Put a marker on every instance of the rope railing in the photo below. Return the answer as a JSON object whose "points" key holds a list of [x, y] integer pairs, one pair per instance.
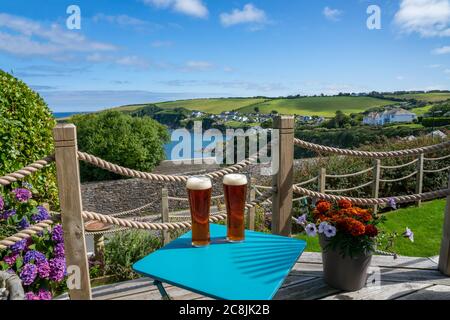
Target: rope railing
{"points": [[437, 170], [437, 159], [374, 201], [401, 165], [399, 179], [133, 211], [26, 171], [367, 154], [352, 188], [186, 199], [26, 233], [308, 181], [350, 174]]}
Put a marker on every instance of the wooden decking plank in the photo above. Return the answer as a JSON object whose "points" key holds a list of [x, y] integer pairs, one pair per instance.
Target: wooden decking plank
{"points": [[385, 291], [414, 275], [308, 290], [436, 292]]}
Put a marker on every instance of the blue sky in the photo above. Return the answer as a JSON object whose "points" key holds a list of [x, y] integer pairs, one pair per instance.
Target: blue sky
{"points": [[133, 51]]}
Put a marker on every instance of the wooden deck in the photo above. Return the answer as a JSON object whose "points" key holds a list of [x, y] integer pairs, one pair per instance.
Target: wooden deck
{"points": [[404, 278]]}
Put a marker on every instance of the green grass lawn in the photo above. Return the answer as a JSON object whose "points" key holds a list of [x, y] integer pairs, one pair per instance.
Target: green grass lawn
{"points": [[320, 106], [428, 97], [214, 106], [426, 223]]}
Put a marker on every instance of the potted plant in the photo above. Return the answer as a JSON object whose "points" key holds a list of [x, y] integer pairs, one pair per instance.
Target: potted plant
{"points": [[348, 236]]}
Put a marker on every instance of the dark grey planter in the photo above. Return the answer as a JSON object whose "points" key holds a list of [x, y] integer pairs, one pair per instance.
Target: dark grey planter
{"points": [[344, 273]]}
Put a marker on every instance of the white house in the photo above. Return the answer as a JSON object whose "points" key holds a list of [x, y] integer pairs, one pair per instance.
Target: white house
{"points": [[396, 115]]}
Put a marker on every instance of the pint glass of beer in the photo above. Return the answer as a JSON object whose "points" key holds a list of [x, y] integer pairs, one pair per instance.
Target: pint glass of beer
{"points": [[235, 190], [199, 194]]}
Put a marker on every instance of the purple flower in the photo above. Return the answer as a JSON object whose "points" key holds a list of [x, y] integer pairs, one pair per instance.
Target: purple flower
{"points": [[31, 296], [57, 269], [2, 203], [18, 246], [22, 194], [27, 185], [28, 274], [34, 256], [392, 203], [322, 226], [58, 234], [44, 294], [409, 234], [43, 269], [301, 220], [23, 224], [311, 230], [11, 259], [329, 231], [41, 215], [58, 250], [8, 213]]}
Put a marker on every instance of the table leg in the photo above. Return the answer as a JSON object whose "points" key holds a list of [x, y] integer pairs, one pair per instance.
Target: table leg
{"points": [[162, 291]]}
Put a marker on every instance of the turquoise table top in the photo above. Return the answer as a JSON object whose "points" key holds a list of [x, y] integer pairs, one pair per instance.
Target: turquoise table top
{"points": [[252, 270]]}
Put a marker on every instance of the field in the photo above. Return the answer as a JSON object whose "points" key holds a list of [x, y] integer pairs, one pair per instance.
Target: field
{"points": [[426, 223], [421, 111], [214, 106], [427, 97], [320, 106]]}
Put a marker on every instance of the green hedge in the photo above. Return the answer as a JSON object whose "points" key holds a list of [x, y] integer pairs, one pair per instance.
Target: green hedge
{"points": [[436, 122], [26, 125]]}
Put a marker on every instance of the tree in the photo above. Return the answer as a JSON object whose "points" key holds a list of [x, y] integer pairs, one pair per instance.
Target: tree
{"points": [[274, 112], [340, 120], [257, 110], [26, 125], [132, 142]]}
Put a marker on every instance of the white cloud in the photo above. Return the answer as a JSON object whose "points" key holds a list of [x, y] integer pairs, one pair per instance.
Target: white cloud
{"points": [[447, 71], [249, 14], [429, 18], [21, 36], [332, 14], [400, 78], [442, 50], [194, 8], [195, 65], [434, 66], [133, 61]]}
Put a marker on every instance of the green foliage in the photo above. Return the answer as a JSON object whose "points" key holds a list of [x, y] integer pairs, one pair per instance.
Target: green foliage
{"points": [[124, 249], [26, 125], [436, 122], [136, 143], [169, 117]]}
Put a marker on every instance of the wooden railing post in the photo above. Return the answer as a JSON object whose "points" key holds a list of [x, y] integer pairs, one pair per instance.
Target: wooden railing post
{"points": [[251, 214], [68, 175], [322, 180], [283, 178], [444, 257], [165, 214], [419, 179], [376, 183]]}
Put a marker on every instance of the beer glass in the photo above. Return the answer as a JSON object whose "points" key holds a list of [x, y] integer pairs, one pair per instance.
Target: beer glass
{"points": [[199, 194], [235, 190]]}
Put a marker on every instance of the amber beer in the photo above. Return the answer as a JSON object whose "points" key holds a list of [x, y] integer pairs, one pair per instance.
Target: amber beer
{"points": [[235, 189], [199, 193]]}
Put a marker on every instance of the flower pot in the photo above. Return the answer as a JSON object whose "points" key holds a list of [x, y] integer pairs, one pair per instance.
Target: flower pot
{"points": [[11, 287], [344, 273]]}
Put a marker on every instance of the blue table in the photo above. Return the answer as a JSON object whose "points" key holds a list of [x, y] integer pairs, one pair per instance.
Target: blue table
{"points": [[251, 270]]}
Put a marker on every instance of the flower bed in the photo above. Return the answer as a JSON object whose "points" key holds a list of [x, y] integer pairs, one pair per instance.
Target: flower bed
{"points": [[39, 261]]}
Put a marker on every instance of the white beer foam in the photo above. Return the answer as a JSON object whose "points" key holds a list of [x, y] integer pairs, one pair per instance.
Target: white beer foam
{"points": [[199, 183], [235, 180]]}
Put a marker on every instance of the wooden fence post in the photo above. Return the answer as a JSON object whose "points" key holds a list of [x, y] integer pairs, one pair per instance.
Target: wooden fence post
{"points": [[419, 179], [322, 180], [251, 214], [165, 214], [376, 183], [68, 175], [283, 179], [444, 257]]}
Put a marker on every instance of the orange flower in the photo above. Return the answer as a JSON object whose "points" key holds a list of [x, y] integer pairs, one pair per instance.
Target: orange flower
{"points": [[323, 206], [352, 226], [344, 204], [363, 214]]}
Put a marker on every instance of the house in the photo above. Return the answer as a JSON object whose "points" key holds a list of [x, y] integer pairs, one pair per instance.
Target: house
{"points": [[395, 115]]}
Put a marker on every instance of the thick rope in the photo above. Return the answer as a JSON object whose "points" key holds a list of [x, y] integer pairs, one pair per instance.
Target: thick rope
{"points": [[28, 170], [437, 159], [132, 211], [399, 179], [350, 174], [438, 170], [352, 188], [367, 154], [373, 201], [25, 234], [400, 166], [307, 181]]}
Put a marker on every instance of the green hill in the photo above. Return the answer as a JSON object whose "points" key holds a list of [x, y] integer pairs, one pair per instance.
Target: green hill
{"points": [[214, 106], [427, 97]]}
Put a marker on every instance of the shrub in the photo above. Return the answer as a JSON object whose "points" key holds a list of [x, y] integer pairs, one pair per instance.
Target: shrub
{"points": [[436, 122], [136, 143], [26, 125], [39, 261], [124, 249]]}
